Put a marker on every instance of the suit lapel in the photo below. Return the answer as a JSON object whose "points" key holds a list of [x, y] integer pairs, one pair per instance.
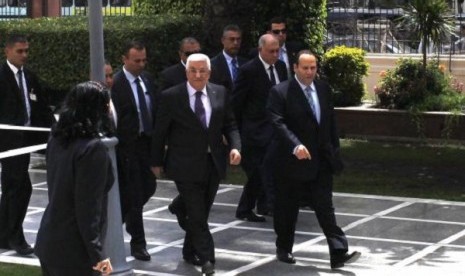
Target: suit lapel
{"points": [[322, 93], [12, 79], [185, 104], [214, 103], [302, 98], [127, 89]]}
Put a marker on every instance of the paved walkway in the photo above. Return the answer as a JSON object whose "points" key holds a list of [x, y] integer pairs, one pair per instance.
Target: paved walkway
{"points": [[397, 236]]}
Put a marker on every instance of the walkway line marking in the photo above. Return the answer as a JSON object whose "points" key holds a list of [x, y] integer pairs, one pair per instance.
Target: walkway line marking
{"points": [[317, 239], [429, 249], [145, 272]]}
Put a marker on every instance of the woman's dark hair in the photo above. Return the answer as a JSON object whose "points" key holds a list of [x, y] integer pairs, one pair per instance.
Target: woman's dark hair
{"points": [[85, 113]]}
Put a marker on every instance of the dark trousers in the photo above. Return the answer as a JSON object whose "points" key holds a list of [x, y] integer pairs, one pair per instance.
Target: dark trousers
{"points": [[48, 270], [254, 193], [16, 192], [137, 184], [288, 194], [198, 198]]}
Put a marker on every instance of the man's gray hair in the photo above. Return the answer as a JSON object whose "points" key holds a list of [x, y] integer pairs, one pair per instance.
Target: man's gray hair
{"points": [[266, 38], [198, 57]]}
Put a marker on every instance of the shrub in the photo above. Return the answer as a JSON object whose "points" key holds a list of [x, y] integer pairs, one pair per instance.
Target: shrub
{"points": [[412, 86], [344, 69], [59, 47], [151, 7]]}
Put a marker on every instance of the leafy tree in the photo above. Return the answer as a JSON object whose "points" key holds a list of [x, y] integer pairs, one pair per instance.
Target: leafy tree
{"points": [[429, 21], [306, 18]]}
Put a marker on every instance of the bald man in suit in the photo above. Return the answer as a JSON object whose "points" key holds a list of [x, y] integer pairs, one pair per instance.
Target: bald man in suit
{"points": [[307, 156]]}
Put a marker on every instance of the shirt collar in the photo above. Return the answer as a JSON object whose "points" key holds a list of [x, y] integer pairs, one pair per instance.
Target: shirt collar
{"points": [[13, 68], [283, 48], [191, 90], [131, 78], [303, 86], [264, 63], [227, 57]]}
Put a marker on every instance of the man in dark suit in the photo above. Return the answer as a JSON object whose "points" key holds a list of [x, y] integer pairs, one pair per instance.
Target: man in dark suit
{"points": [[191, 120], [176, 74], [250, 95], [134, 99], [307, 156], [22, 103], [225, 65], [288, 49]]}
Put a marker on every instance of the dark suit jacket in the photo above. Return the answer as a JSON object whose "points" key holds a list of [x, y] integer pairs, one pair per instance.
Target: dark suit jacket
{"points": [[295, 124], [179, 128], [173, 75], [249, 98], [293, 49], [12, 108], [220, 73], [79, 177], [127, 130]]}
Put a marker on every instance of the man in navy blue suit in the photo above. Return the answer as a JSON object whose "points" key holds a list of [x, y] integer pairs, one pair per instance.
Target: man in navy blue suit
{"points": [[225, 65]]}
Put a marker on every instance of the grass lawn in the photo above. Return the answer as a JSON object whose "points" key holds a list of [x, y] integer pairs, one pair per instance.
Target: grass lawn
{"points": [[379, 168], [19, 270], [396, 169]]}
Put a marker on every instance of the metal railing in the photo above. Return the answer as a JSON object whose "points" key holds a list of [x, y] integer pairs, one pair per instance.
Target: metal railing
{"points": [[373, 26], [11, 9], [110, 7]]}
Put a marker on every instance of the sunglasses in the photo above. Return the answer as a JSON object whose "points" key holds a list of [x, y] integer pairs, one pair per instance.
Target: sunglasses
{"points": [[283, 31], [190, 53]]}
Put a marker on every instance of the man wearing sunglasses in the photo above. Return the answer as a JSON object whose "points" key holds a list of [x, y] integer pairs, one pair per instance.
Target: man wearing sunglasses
{"points": [[288, 49], [176, 74]]}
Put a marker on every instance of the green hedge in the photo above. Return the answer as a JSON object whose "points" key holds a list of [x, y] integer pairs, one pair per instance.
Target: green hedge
{"points": [[344, 68], [59, 47]]}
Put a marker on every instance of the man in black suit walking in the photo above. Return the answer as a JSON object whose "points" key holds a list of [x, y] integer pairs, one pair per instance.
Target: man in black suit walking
{"points": [[225, 65], [250, 95], [307, 156], [191, 120], [176, 74], [22, 103], [134, 99]]}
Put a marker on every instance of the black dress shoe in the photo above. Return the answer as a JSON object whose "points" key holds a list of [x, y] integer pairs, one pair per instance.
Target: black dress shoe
{"points": [[285, 257], [193, 259], [208, 268], [339, 261], [181, 217], [140, 254], [251, 217], [22, 249]]}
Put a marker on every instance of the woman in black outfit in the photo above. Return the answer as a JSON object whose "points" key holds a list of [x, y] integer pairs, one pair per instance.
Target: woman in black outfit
{"points": [[79, 176]]}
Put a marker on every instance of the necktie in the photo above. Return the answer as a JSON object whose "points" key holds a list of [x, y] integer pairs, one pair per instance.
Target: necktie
{"points": [[200, 109], [144, 112], [308, 94], [234, 68], [23, 97], [272, 77]]}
